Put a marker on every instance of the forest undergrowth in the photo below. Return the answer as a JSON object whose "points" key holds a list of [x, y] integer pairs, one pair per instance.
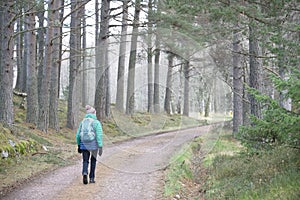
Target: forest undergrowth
{"points": [[217, 166]]}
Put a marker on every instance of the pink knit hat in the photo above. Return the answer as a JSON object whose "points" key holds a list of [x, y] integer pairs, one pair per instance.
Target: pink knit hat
{"points": [[90, 110]]}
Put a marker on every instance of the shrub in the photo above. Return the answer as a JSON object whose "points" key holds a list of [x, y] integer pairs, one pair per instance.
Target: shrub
{"points": [[276, 126]]}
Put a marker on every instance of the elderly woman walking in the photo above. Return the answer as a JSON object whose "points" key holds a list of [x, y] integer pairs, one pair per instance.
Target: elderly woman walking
{"points": [[89, 141]]}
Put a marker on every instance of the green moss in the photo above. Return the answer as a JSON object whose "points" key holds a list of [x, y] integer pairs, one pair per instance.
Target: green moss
{"points": [[8, 148], [39, 139]]}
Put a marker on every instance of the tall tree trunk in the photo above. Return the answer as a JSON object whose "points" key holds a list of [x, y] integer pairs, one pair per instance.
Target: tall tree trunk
{"points": [[20, 55], [79, 54], [107, 84], [73, 102], [150, 56], [6, 61], [97, 35], [237, 83], [32, 103], [23, 71], [84, 92], [130, 99], [121, 64], [61, 16], [207, 103], [186, 100], [22, 74], [181, 78], [156, 92], [96, 24], [43, 119], [215, 97], [168, 97], [53, 100], [101, 61], [156, 76], [254, 69], [245, 97], [41, 45]]}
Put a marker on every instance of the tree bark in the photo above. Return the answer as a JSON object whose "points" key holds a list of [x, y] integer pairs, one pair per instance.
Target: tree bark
{"points": [[96, 24], [149, 57], [84, 90], [101, 63], [23, 71], [156, 92], [55, 63], [186, 100], [130, 99], [6, 61], [32, 103], [181, 78], [41, 48], [73, 97], [107, 84], [23, 63], [206, 108], [238, 87], [20, 83], [254, 70], [168, 96], [61, 16], [156, 76], [121, 64], [43, 119]]}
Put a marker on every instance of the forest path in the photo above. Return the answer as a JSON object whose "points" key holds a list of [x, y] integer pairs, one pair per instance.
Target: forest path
{"points": [[129, 170]]}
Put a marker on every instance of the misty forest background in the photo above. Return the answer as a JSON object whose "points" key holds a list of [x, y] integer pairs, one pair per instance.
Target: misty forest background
{"points": [[150, 66], [179, 57]]}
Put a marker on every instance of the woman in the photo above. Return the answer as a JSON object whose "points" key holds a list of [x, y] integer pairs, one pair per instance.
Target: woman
{"points": [[89, 141]]}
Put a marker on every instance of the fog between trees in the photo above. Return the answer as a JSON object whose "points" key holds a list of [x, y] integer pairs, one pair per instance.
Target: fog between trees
{"points": [[180, 57]]}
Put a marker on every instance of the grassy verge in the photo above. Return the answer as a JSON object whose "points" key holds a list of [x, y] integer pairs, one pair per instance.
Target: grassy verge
{"points": [[220, 168], [180, 181], [268, 175], [188, 172]]}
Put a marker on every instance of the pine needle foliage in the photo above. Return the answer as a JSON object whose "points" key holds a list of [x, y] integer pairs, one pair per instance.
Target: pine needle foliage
{"points": [[277, 126]]}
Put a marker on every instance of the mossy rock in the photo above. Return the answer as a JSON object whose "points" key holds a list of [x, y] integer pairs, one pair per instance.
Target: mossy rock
{"points": [[21, 148], [25, 147], [8, 148]]}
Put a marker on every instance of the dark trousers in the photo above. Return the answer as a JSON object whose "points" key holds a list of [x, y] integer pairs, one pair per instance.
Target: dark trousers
{"points": [[89, 156]]}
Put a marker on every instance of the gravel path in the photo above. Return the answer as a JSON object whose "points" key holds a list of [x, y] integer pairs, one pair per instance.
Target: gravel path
{"points": [[129, 170]]}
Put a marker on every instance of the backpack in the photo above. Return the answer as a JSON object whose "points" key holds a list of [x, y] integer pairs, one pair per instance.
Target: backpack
{"points": [[87, 133]]}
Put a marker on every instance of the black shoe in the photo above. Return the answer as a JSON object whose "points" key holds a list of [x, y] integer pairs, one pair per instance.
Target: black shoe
{"points": [[92, 180], [85, 179]]}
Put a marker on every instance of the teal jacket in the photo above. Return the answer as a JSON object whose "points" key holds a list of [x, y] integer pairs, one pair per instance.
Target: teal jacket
{"points": [[94, 145]]}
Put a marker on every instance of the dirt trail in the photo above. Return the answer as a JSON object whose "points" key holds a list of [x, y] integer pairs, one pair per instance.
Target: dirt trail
{"points": [[130, 170]]}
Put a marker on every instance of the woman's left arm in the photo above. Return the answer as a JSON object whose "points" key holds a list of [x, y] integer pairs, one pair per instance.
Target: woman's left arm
{"points": [[99, 133]]}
